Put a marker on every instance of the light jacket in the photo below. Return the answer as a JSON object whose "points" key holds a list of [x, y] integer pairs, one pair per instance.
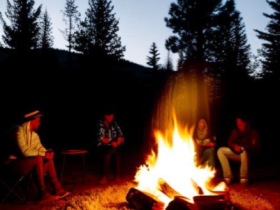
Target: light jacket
{"points": [[23, 142]]}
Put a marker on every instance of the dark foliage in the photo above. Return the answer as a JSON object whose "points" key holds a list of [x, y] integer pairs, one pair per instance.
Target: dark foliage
{"points": [[230, 48], [153, 59], [97, 34], [22, 34], [193, 22], [46, 38], [271, 47], [71, 19]]}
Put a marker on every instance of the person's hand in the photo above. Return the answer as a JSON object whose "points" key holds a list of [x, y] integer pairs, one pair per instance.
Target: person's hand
{"points": [[238, 149], [105, 140], [49, 155], [114, 144], [211, 144], [120, 140]]}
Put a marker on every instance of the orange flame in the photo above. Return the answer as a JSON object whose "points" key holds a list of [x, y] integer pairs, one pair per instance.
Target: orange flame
{"points": [[174, 163]]}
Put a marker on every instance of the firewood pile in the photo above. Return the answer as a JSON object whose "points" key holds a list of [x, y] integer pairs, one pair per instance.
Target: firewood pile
{"points": [[145, 201]]}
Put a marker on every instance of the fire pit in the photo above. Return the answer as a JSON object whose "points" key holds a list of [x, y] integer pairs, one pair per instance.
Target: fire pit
{"points": [[171, 180], [146, 201]]}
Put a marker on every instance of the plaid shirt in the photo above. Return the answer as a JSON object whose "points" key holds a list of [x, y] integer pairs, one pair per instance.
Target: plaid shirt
{"points": [[113, 131]]}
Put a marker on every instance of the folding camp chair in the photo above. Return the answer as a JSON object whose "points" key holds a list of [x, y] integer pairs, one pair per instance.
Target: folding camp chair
{"points": [[13, 184]]}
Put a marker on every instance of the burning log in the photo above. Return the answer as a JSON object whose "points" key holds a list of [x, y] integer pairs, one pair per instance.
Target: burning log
{"points": [[143, 200], [201, 202], [211, 202], [164, 187], [146, 201], [171, 193], [180, 203], [197, 188]]}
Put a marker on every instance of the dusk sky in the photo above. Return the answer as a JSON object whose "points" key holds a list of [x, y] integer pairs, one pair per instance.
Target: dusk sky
{"points": [[141, 23]]}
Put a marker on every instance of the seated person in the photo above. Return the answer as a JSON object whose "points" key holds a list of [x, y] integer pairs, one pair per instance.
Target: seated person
{"points": [[109, 140], [204, 144], [25, 153], [242, 142]]}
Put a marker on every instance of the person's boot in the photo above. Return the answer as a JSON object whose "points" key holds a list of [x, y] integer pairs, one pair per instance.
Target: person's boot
{"points": [[43, 196], [228, 181], [244, 182], [59, 190]]}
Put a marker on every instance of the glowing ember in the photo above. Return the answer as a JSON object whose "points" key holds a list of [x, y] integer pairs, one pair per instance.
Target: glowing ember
{"points": [[175, 164]]}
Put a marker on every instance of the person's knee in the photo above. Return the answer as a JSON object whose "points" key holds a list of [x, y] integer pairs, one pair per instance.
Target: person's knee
{"points": [[219, 151], [209, 152], [39, 160], [211, 157], [222, 151]]}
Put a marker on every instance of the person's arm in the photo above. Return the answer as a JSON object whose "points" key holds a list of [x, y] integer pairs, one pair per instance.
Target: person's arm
{"points": [[23, 146], [232, 142], [118, 129], [49, 154], [101, 138], [120, 136], [253, 142], [37, 145], [208, 141]]}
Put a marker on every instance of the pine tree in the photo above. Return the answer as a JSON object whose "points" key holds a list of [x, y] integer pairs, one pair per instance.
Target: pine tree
{"points": [[180, 62], [193, 21], [169, 62], [46, 38], [256, 64], [231, 48], [97, 34], [23, 32], [271, 47], [154, 58], [71, 19]]}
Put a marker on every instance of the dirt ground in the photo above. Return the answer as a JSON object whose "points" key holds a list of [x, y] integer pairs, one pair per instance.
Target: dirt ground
{"points": [[264, 188]]}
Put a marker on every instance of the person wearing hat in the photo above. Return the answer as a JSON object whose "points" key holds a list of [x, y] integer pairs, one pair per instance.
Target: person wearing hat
{"points": [[26, 153], [110, 138]]}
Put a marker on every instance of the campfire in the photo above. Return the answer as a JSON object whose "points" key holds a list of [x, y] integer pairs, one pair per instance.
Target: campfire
{"points": [[170, 178]]}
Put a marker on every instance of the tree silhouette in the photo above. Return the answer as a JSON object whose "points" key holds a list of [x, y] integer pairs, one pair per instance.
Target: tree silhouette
{"points": [[154, 58], [46, 38], [231, 48], [271, 48], [23, 32], [193, 21], [71, 19], [97, 34], [180, 62], [169, 63]]}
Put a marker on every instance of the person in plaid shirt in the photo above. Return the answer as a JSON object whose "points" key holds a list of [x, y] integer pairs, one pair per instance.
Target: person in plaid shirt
{"points": [[110, 138]]}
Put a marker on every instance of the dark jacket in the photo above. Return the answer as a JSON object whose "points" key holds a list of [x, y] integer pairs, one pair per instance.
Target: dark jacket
{"points": [[249, 139]]}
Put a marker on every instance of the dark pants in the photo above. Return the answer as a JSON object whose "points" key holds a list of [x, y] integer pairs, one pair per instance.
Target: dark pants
{"points": [[106, 155], [39, 165], [205, 155]]}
